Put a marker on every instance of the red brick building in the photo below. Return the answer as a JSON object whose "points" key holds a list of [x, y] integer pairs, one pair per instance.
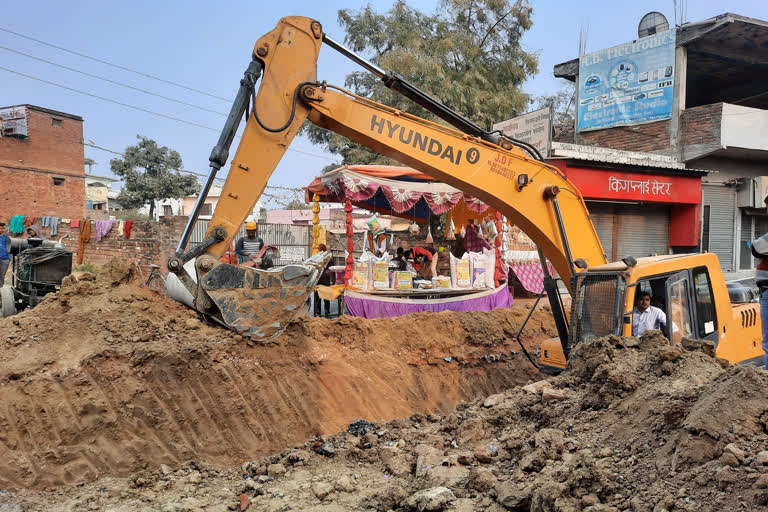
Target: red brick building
{"points": [[42, 167]]}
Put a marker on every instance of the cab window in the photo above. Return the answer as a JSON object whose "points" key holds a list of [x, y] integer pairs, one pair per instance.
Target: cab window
{"points": [[706, 322]]}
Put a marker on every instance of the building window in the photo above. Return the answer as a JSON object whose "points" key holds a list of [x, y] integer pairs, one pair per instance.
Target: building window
{"points": [[56, 122], [57, 182], [167, 211], [207, 209]]}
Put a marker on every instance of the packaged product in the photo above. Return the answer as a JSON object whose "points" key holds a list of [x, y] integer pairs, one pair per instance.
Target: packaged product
{"points": [[461, 271], [403, 280], [381, 273]]}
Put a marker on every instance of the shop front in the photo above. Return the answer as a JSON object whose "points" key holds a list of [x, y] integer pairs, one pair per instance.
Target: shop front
{"points": [[640, 212]]}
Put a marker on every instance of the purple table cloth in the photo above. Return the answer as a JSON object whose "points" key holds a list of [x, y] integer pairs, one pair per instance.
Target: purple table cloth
{"points": [[370, 306]]}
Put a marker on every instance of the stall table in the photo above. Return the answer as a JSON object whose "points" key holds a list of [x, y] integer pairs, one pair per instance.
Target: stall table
{"points": [[391, 302]]}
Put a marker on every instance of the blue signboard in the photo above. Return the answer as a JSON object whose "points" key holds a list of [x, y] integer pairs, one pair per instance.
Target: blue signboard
{"points": [[627, 84]]}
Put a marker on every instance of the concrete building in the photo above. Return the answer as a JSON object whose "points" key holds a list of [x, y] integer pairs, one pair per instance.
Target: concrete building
{"points": [[42, 169], [186, 205], [718, 124], [97, 189]]}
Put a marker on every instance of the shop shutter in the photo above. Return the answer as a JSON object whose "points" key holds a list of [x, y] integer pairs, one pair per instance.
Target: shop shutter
{"points": [[721, 211], [602, 217], [643, 230]]}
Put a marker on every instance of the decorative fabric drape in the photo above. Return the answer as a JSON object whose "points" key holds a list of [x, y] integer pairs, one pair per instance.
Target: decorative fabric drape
{"points": [[402, 195]]}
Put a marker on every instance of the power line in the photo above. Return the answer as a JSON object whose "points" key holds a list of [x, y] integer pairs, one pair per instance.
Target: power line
{"points": [[115, 65], [113, 81], [141, 109], [186, 171]]}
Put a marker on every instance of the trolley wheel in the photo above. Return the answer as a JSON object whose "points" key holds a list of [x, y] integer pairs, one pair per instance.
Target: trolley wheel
{"points": [[7, 302]]}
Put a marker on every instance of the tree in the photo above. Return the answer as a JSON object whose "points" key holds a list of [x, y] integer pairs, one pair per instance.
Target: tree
{"points": [[295, 204], [151, 173], [467, 55], [563, 104]]}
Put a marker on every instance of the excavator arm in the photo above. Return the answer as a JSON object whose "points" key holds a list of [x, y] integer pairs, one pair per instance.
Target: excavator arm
{"points": [[533, 195]]}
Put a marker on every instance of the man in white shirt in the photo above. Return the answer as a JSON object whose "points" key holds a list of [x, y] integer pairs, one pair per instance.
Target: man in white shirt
{"points": [[645, 316]]}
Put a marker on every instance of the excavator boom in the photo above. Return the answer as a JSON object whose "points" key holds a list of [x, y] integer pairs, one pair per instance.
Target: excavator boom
{"points": [[535, 196]]}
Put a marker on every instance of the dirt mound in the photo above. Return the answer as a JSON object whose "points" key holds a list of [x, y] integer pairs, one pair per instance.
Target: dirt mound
{"points": [[106, 378], [634, 424]]}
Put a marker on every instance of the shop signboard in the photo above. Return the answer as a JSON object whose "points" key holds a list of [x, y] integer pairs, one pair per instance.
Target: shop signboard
{"points": [[534, 128], [625, 186], [628, 84]]}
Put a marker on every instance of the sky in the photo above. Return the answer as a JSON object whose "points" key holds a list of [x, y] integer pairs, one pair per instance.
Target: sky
{"points": [[207, 48]]}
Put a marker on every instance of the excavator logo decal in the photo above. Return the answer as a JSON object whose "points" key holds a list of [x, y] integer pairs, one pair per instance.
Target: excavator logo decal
{"points": [[412, 137]]}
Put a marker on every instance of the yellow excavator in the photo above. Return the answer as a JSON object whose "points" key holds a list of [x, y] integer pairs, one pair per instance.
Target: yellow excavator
{"points": [[508, 174]]}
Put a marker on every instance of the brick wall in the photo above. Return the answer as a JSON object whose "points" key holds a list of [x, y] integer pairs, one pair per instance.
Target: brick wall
{"points": [[700, 129], [648, 137], [150, 243], [28, 167]]}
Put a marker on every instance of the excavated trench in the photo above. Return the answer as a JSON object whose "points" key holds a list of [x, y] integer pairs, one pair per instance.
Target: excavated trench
{"points": [[106, 378]]}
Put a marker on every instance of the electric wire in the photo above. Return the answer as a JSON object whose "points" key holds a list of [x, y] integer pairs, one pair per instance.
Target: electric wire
{"points": [[115, 65], [112, 81], [141, 109]]}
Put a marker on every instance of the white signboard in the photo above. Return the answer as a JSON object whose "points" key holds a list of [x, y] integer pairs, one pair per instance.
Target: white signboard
{"points": [[535, 128]]}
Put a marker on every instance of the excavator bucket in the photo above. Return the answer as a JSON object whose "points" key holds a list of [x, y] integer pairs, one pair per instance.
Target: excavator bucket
{"points": [[262, 303]]}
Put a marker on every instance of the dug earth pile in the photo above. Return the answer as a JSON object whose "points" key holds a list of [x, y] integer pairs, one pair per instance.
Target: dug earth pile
{"points": [[633, 425], [106, 378]]}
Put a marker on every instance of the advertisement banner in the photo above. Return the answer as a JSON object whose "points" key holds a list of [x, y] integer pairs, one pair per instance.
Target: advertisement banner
{"points": [[534, 128], [631, 83]]}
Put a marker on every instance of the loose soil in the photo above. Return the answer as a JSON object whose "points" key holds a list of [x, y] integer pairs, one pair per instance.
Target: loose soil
{"points": [[632, 425], [106, 378]]}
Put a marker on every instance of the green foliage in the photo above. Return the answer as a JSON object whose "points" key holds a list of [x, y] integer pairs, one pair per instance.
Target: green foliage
{"points": [[150, 173], [85, 267], [467, 55], [130, 214], [296, 204]]}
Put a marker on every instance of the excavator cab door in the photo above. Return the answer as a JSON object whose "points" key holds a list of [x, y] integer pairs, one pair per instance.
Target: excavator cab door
{"points": [[679, 311]]}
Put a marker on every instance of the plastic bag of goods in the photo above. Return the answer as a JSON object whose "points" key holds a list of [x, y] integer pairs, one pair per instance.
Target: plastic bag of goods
{"points": [[361, 275], [483, 268], [461, 271], [429, 238], [403, 280], [441, 282], [490, 228], [374, 225], [381, 273]]}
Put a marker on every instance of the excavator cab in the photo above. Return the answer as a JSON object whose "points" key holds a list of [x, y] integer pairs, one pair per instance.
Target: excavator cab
{"points": [[688, 288]]}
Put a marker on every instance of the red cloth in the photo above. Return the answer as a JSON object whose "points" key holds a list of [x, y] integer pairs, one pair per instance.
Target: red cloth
{"points": [[763, 265], [28, 221], [128, 225], [473, 242], [74, 223], [421, 251]]}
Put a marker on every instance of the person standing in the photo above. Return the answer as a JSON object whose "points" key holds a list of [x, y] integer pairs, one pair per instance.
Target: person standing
{"points": [[473, 242], [759, 249], [5, 258], [248, 246]]}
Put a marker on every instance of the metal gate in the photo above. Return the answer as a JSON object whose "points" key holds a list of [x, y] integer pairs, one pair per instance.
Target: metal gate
{"points": [[721, 201], [294, 242], [643, 230]]}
